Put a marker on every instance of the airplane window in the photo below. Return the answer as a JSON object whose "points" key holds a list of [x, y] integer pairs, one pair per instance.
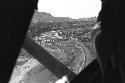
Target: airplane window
{"points": [[65, 31]]}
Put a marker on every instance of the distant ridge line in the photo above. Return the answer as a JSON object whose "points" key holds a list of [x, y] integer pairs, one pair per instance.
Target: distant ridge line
{"points": [[47, 17]]}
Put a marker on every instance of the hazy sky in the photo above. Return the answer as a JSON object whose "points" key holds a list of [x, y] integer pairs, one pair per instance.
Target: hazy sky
{"points": [[70, 8]]}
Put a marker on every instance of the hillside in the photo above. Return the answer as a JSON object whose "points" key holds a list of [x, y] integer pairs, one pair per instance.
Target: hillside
{"points": [[46, 17]]}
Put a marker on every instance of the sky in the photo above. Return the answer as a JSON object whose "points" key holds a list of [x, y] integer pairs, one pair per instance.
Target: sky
{"points": [[70, 8]]}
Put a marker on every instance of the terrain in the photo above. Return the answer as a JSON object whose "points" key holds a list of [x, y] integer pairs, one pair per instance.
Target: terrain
{"points": [[69, 40]]}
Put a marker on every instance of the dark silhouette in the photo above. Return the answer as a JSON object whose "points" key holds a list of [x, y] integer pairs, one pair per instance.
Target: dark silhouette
{"points": [[15, 17], [110, 43]]}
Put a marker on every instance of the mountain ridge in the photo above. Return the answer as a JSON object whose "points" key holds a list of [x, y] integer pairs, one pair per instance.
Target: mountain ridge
{"points": [[47, 17]]}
